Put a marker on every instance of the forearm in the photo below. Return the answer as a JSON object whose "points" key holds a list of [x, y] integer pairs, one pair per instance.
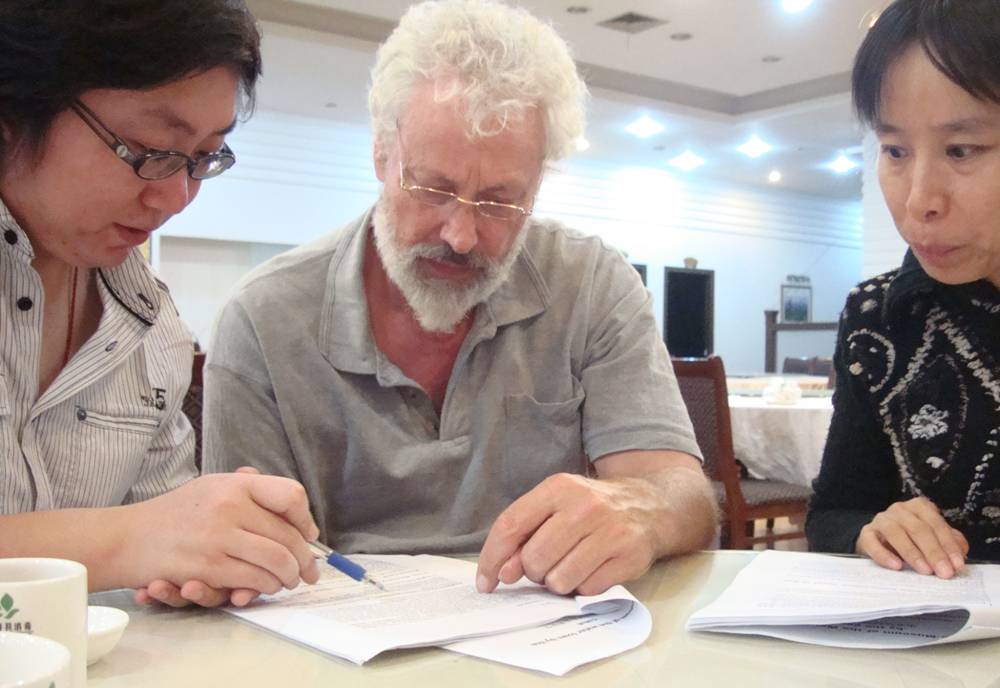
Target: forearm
{"points": [[673, 493], [835, 530], [97, 538]]}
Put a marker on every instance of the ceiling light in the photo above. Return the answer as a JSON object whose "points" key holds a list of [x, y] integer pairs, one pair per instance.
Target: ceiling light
{"points": [[754, 147], [842, 164], [774, 177], [793, 6], [644, 127], [687, 161], [582, 144]]}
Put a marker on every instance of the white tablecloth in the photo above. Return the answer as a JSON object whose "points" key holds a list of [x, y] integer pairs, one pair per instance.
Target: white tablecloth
{"points": [[780, 442]]}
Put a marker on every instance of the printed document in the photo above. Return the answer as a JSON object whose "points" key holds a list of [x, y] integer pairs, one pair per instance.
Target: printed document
{"points": [[430, 600], [853, 602]]}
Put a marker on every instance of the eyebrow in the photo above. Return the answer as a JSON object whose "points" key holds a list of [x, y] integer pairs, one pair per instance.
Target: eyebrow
{"points": [[174, 121], [958, 126]]}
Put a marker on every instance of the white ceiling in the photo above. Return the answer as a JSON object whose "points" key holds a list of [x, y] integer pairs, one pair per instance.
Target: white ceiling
{"points": [[711, 92]]}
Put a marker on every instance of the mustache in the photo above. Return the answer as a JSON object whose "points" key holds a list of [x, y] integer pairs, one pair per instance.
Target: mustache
{"points": [[444, 253]]}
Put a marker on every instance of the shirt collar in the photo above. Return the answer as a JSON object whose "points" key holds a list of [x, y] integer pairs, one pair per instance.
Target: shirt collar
{"points": [[911, 280], [131, 284], [344, 328]]}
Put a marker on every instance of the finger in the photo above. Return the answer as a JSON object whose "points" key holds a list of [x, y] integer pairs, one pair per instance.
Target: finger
{"points": [[871, 546], [250, 470], [963, 549], [550, 544], [512, 571], [166, 593], [277, 529], [241, 597], [611, 572], [932, 535], [897, 537], [287, 498], [509, 532], [141, 596], [201, 594], [262, 554]]}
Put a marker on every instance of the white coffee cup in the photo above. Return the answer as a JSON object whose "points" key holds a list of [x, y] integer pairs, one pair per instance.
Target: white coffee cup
{"points": [[31, 661], [47, 598]]}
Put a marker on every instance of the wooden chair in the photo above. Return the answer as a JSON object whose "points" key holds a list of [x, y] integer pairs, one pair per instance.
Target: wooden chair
{"points": [[799, 366], [192, 404], [743, 501]]}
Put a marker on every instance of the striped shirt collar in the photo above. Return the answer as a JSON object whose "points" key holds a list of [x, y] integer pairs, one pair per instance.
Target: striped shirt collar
{"points": [[131, 284]]}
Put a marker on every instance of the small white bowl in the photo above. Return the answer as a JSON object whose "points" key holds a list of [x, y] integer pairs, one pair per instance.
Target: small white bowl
{"points": [[105, 626], [31, 661]]}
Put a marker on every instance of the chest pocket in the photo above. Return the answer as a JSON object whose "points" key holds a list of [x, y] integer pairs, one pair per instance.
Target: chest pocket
{"points": [[541, 438]]}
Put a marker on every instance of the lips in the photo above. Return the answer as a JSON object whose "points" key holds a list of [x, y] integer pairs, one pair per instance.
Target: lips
{"points": [[444, 269], [132, 236], [935, 254]]}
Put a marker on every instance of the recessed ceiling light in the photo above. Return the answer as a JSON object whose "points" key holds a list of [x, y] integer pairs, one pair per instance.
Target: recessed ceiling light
{"points": [[842, 164], [687, 161], [582, 144], [577, 9], [644, 127], [793, 6], [331, 104], [771, 59], [680, 36], [774, 177], [754, 147]]}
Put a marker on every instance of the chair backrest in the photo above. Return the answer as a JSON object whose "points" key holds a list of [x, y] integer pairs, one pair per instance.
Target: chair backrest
{"points": [[192, 405], [702, 382], [796, 365], [819, 365]]}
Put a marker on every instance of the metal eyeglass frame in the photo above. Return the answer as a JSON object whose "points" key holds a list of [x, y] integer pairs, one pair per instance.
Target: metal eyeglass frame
{"points": [[213, 164], [446, 197]]}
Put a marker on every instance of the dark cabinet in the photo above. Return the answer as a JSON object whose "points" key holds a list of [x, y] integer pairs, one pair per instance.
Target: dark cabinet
{"points": [[688, 311]]}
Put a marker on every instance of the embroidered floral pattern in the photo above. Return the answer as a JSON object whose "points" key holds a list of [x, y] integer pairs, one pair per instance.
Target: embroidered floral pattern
{"points": [[927, 423]]}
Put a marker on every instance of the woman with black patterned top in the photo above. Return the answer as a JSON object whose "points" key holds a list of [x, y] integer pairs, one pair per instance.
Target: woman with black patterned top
{"points": [[910, 474]]}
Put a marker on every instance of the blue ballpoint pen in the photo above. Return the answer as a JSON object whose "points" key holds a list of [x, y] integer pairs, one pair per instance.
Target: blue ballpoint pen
{"points": [[345, 565]]}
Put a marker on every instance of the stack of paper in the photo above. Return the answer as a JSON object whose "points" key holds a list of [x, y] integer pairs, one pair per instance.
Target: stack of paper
{"points": [[432, 601], [852, 602]]}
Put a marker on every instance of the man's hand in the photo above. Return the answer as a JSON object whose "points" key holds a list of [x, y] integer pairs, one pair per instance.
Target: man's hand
{"points": [[915, 532], [572, 533], [222, 537]]}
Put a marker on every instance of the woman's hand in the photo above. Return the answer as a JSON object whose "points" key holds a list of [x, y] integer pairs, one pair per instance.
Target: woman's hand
{"points": [[916, 533]]}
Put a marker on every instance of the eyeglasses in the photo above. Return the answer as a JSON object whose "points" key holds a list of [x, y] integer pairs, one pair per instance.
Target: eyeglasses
{"points": [[153, 164], [432, 196]]}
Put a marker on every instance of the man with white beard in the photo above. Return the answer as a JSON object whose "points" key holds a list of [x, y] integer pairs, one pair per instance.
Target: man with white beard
{"points": [[446, 373]]}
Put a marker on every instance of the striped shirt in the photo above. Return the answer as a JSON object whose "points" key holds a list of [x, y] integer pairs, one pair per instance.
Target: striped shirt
{"points": [[109, 429]]}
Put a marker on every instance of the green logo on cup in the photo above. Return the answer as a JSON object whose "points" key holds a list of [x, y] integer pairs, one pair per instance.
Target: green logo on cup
{"points": [[7, 606]]}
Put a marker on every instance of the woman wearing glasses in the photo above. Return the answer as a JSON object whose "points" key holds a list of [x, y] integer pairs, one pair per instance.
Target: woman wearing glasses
{"points": [[111, 116]]}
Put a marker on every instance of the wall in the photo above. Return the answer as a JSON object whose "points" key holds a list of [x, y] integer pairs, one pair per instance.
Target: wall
{"points": [[298, 177], [883, 248]]}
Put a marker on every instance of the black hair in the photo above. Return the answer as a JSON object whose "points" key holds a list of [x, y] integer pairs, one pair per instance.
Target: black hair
{"points": [[960, 37], [51, 51]]}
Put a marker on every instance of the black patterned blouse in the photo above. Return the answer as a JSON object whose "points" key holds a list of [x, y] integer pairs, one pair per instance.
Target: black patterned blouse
{"points": [[916, 409]]}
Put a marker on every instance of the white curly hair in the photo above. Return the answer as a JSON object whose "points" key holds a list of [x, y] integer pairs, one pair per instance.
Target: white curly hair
{"points": [[499, 60]]}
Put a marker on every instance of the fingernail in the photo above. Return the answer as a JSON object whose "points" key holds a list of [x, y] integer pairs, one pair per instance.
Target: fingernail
{"points": [[482, 583], [958, 562], [943, 569], [922, 567]]}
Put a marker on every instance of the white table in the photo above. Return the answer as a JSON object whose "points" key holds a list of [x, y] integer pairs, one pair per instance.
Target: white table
{"points": [[166, 647], [778, 441]]}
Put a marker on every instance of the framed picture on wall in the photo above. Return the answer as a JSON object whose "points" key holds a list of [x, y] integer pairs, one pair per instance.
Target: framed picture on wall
{"points": [[796, 303], [641, 269]]}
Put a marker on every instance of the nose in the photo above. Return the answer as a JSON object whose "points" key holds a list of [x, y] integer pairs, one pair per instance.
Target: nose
{"points": [[170, 195], [460, 229], [927, 199]]}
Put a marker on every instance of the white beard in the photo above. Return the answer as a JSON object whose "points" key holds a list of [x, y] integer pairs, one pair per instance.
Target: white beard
{"points": [[439, 305]]}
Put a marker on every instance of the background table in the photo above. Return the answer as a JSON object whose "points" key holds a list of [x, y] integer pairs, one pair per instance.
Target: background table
{"points": [[778, 441], [167, 647]]}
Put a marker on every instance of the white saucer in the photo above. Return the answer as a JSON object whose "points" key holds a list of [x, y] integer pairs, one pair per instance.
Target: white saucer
{"points": [[105, 626]]}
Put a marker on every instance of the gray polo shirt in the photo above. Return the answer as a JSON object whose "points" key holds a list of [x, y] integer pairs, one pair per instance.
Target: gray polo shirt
{"points": [[563, 364]]}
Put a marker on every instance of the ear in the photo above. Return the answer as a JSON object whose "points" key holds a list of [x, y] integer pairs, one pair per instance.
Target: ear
{"points": [[380, 157]]}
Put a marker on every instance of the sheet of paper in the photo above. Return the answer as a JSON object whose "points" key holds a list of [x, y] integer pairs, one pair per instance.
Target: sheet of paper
{"points": [[852, 602], [428, 601], [560, 646]]}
